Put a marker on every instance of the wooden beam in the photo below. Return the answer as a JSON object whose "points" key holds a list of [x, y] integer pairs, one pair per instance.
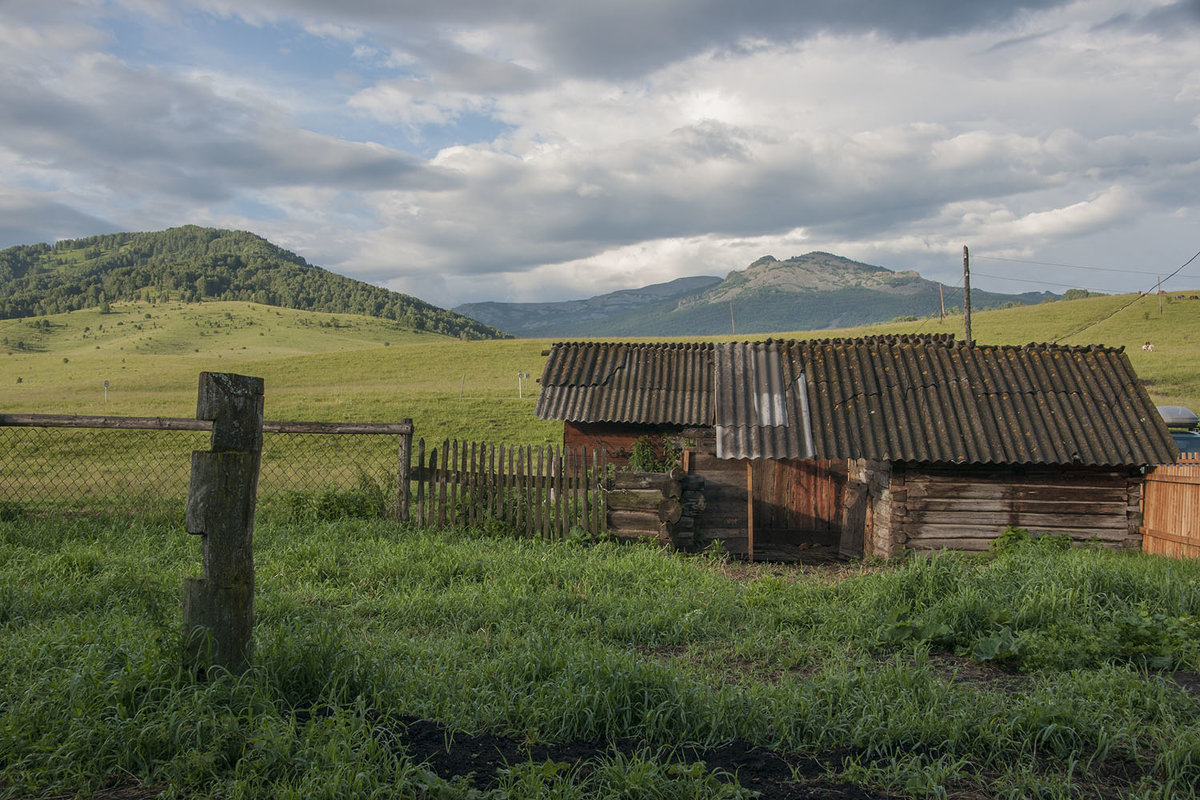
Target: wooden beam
{"points": [[750, 511], [1169, 537]]}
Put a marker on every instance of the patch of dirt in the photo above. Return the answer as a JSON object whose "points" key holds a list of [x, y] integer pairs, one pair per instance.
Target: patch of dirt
{"points": [[819, 566], [482, 756], [1188, 681], [968, 670]]}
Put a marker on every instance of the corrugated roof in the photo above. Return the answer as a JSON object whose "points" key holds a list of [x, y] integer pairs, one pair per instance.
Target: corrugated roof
{"points": [[759, 408], [922, 399], [619, 382]]}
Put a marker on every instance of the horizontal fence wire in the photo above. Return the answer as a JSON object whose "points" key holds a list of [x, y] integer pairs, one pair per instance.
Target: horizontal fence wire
{"points": [[82, 470]]}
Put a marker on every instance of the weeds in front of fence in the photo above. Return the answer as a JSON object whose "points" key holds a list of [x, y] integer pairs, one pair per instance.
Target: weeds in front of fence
{"points": [[549, 641], [368, 498]]}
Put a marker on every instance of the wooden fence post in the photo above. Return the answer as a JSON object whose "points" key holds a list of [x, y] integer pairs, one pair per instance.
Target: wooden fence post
{"points": [[404, 475], [218, 609]]}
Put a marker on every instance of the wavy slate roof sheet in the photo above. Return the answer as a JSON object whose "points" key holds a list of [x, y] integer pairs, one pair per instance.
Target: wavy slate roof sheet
{"points": [[923, 399], [619, 382]]}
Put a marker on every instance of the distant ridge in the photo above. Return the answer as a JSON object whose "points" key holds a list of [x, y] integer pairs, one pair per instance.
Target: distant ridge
{"points": [[564, 318], [193, 264], [814, 291]]}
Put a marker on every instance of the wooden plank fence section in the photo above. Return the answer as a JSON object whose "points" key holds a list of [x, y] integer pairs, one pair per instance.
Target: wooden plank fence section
{"points": [[543, 490], [1171, 509]]}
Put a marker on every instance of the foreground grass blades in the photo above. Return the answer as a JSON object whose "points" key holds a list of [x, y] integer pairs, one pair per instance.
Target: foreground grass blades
{"points": [[1030, 673]]}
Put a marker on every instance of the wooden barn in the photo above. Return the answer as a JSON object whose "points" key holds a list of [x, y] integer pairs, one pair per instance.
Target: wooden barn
{"points": [[877, 445]]}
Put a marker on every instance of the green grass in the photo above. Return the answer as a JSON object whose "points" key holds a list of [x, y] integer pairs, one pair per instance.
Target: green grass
{"points": [[886, 671], [365, 369], [362, 369]]}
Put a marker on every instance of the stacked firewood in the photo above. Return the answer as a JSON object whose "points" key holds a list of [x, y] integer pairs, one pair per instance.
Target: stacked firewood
{"points": [[656, 505]]}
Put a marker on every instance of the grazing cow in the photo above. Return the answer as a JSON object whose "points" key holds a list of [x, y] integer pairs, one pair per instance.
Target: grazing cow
{"points": [[1147, 346]]}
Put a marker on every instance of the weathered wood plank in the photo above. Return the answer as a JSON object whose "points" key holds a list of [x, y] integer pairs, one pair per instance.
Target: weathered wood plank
{"points": [[1023, 520], [988, 491], [989, 533], [633, 520], [666, 485], [960, 505]]}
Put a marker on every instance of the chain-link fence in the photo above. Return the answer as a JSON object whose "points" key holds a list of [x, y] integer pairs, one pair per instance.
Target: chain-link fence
{"points": [[122, 466]]}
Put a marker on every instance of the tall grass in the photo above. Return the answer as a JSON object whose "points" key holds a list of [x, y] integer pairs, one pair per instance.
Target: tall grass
{"points": [[886, 672]]}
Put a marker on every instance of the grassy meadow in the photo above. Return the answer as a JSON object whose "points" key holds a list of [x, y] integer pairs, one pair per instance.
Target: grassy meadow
{"points": [[316, 367], [607, 671], [1035, 672], [328, 367]]}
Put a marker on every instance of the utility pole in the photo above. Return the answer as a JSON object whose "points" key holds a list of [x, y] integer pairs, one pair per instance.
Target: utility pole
{"points": [[732, 327], [942, 300], [967, 290], [1159, 293]]}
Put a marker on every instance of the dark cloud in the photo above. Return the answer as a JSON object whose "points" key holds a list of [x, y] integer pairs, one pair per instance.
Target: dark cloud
{"points": [[624, 38], [145, 130], [31, 219], [1174, 19]]}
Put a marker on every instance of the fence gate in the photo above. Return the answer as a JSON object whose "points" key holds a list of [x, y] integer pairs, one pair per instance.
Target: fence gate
{"points": [[1171, 509]]}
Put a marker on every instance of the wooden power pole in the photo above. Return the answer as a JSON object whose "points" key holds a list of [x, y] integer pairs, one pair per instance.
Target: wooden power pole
{"points": [[967, 291], [218, 609]]}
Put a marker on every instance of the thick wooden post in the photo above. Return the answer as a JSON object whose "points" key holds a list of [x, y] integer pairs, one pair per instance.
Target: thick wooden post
{"points": [[404, 475], [218, 609]]}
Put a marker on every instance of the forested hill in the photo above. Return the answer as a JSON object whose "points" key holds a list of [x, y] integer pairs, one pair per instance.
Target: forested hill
{"points": [[192, 264]]}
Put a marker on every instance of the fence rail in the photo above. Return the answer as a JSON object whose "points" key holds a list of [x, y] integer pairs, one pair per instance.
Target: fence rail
{"points": [[1171, 509]]}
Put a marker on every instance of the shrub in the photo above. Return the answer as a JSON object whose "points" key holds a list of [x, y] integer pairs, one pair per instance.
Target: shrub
{"points": [[653, 454]]}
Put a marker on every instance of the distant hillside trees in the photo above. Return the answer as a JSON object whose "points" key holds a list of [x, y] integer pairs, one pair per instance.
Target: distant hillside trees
{"points": [[192, 264]]}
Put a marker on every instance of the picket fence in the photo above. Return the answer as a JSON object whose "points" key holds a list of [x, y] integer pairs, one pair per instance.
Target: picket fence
{"points": [[542, 490]]}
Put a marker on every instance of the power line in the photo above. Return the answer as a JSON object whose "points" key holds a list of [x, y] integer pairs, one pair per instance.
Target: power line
{"points": [[1049, 283], [1127, 305], [1068, 266]]}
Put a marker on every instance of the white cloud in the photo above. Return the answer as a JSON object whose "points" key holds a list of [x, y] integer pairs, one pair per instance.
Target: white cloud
{"points": [[554, 149]]}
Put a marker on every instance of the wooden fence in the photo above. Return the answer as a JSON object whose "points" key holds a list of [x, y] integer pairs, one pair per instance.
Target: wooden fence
{"points": [[545, 491], [1171, 509]]}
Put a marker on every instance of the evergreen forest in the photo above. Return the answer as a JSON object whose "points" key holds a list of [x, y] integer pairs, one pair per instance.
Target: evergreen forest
{"points": [[192, 264]]}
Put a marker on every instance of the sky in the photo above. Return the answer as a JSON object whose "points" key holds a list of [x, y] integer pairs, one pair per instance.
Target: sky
{"points": [[535, 150]]}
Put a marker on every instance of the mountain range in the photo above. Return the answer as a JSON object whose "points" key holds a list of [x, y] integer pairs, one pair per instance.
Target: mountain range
{"points": [[814, 291], [192, 264]]}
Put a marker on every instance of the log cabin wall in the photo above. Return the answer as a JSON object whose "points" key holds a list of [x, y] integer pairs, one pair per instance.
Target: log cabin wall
{"points": [[725, 512], [965, 508], [878, 537]]}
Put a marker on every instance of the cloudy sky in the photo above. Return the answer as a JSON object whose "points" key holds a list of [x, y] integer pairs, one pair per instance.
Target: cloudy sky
{"points": [[464, 150]]}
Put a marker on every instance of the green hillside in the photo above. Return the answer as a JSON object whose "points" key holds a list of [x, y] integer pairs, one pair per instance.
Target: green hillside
{"points": [[342, 367], [192, 264], [316, 366]]}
